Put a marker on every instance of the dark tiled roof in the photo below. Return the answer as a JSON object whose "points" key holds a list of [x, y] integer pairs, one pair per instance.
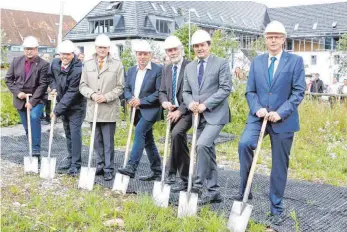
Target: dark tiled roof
{"points": [[245, 16], [18, 24], [306, 16]]}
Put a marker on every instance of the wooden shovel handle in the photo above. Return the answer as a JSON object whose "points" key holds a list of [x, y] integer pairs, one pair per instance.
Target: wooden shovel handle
{"points": [[192, 151], [133, 112]]}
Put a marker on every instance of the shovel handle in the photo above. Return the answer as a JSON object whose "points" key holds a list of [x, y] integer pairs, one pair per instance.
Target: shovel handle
{"points": [[192, 151], [167, 135], [254, 162], [91, 146], [133, 112], [29, 126], [52, 127]]}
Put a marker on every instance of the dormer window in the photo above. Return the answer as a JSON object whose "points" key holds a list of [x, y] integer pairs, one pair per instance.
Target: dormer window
{"points": [[113, 6]]}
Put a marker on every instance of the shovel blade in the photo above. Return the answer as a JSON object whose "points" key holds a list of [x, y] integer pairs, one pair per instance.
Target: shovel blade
{"points": [[161, 194], [187, 204], [31, 164], [121, 183], [239, 216], [47, 170], [87, 177]]}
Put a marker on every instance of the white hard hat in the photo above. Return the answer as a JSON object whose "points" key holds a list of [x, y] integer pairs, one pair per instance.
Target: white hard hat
{"points": [[142, 46], [102, 41], [30, 42], [200, 36], [172, 42], [275, 27], [66, 47]]}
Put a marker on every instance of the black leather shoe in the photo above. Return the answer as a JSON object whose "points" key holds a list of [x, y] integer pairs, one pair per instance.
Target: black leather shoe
{"points": [[170, 179], [197, 191], [240, 197], [99, 171], [180, 187], [129, 170], [217, 198], [73, 171], [150, 177], [277, 219], [108, 176]]}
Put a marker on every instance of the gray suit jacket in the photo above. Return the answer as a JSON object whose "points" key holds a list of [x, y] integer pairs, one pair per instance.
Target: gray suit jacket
{"points": [[213, 92]]}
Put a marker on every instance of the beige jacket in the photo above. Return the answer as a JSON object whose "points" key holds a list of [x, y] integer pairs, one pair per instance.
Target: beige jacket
{"points": [[108, 81]]}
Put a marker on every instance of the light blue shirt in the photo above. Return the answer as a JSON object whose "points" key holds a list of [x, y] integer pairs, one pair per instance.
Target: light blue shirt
{"points": [[198, 66]]}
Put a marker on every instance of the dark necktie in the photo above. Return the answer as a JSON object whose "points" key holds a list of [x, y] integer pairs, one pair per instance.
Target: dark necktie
{"points": [[201, 72], [174, 80], [271, 69]]}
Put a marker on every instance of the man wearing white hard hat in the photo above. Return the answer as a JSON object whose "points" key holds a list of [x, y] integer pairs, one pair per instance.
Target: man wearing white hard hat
{"points": [[207, 85], [28, 75], [102, 83], [142, 92], [65, 73], [275, 88], [171, 99]]}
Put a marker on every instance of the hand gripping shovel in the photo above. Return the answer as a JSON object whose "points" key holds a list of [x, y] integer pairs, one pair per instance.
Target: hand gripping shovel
{"points": [[87, 175], [47, 163], [161, 191], [121, 181], [241, 211], [31, 164], [188, 201]]}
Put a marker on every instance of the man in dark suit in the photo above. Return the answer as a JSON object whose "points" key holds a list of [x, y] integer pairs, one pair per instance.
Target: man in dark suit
{"points": [[142, 92], [28, 75], [207, 85], [275, 88], [171, 99]]}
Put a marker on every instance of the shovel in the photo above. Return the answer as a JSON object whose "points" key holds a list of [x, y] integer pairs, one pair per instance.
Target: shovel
{"points": [[87, 175], [47, 163], [161, 191], [241, 211], [31, 164], [121, 181], [188, 201]]}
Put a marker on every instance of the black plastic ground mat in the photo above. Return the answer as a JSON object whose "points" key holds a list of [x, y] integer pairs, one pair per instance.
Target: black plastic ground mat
{"points": [[317, 207], [222, 138]]}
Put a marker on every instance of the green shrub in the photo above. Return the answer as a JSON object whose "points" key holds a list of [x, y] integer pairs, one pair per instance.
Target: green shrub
{"points": [[8, 114]]}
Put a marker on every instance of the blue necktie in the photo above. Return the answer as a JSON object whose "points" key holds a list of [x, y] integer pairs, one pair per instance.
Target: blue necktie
{"points": [[271, 69], [201, 71], [174, 80]]}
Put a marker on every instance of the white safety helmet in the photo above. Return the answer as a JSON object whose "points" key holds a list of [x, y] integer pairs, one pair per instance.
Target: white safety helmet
{"points": [[30, 42], [275, 27], [102, 41], [66, 46], [142, 46], [172, 42], [200, 36]]}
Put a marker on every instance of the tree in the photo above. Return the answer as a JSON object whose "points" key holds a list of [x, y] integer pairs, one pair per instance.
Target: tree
{"points": [[342, 48], [128, 59], [4, 62], [258, 46], [183, 34]]}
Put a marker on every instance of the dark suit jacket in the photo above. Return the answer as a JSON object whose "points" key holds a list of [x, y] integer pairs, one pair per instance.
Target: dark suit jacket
{"points": [[36, 83], [283, 96], [149, 94], [67, 83], [165, 92]]}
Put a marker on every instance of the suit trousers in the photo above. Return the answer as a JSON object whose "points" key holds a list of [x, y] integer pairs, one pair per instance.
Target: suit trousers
{"points": [[72, 123], [206, 167], [144, 140], [35, 115], [104, 145], [280, 148], [179, 159]]}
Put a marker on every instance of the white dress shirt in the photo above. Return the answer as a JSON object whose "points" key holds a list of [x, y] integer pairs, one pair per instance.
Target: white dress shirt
{"points": [[179, 65], [198, 66], [140, 75], [277, 61]]}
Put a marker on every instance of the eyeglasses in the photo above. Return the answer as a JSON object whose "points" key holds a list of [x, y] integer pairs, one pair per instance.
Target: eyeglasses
{"points": [[274, 37]]}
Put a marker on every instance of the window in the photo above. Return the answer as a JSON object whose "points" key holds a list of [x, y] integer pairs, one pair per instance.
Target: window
{"points": [[314, 26], [209, 15], [163, 26], [120, 49], [336, 59], [334, 24], [162, 7], [232, 19], [289, 45], [101, 26], [313, 60], [221, 17], [52, 40], [296, 27], [113, 6], [174, 9], [81, 49], [16, 48], [154, 6], [50, 50]]}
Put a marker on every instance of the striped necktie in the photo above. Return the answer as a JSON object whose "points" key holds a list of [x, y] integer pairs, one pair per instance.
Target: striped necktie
{"points": [[271, 69], [174, 80]]}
